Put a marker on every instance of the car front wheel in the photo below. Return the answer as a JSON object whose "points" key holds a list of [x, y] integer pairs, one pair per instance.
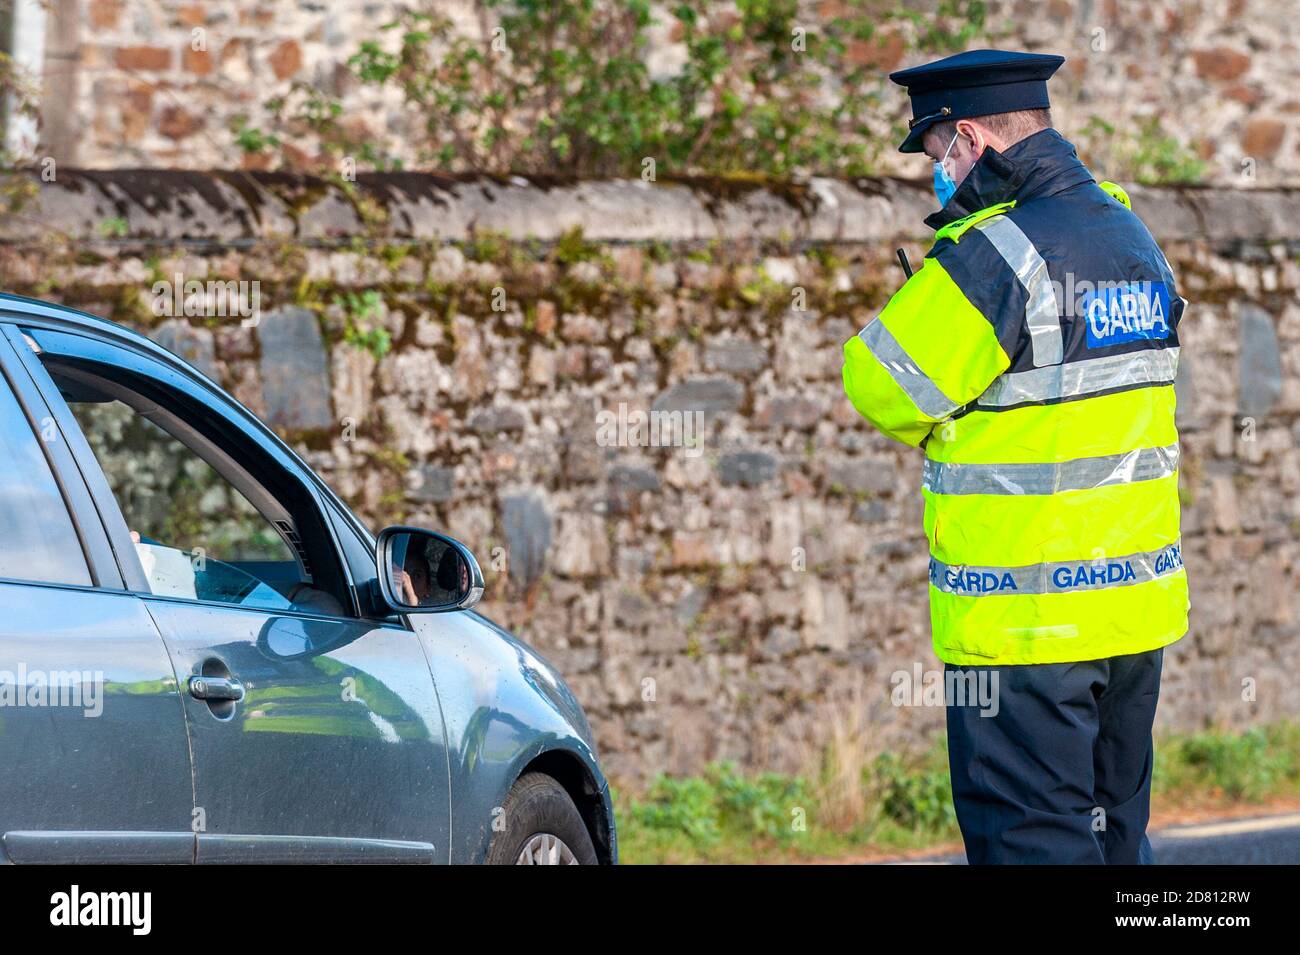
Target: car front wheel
{"points": [[541, 827]]}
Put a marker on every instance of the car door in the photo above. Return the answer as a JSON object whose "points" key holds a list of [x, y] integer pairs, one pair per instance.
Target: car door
{"points": [[315, 730], [92, 733]]}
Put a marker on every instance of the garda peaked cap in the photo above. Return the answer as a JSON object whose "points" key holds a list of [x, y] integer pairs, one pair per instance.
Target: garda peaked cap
{"points": [[974, 83]]}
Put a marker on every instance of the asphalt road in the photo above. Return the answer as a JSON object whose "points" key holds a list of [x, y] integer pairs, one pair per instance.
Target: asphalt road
{"points": [[1267, 840]]}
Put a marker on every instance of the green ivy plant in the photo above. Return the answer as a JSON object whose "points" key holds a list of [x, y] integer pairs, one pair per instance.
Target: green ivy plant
{"points": [[1145, 153], [567, 88], [362, 328], [17, 97]]}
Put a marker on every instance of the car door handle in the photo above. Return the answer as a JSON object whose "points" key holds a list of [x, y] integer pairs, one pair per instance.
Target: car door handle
{"points": [[216, 688]]}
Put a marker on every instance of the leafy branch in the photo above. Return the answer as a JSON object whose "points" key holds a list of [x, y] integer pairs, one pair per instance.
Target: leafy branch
{"points": [[572, 88]]}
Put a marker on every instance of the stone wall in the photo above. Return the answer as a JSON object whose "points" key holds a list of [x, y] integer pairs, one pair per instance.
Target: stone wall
{"points": [[748, 597], [125, 85]]}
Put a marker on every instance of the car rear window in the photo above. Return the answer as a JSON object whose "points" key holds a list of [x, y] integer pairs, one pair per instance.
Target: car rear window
{"points": [[39, 542]]}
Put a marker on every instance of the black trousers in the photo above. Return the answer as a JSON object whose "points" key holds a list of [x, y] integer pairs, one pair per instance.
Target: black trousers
{"points": [[1059, 771]]}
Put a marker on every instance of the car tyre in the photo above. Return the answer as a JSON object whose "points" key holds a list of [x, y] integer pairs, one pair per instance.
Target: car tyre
{"points": [[542, 827]]}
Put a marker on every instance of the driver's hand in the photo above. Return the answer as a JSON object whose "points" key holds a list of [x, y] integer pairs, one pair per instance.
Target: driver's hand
{"points": [[405, 589]]}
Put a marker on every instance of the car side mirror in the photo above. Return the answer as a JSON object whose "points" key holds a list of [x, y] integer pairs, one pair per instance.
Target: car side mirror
{"points": [[424, 572]]}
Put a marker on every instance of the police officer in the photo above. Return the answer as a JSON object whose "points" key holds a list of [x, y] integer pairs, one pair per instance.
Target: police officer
{"points": [[1032, 357]]}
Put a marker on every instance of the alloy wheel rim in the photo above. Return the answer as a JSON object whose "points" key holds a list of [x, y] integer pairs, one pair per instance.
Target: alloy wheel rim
{"points": [[544, 848]]}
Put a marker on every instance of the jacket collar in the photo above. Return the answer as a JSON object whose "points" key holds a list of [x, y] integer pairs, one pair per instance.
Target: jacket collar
{"points": [[1039, 165]]}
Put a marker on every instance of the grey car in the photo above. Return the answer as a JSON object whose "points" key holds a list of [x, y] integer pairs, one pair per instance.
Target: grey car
{"points": [[206, 657]]}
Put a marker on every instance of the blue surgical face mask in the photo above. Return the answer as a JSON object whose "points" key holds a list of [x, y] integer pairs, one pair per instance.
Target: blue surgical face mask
{"points": [[944, 187]]}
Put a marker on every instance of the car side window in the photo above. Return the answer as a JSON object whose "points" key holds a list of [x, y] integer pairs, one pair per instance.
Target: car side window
{"points": [[198, 536], [39, 542]]}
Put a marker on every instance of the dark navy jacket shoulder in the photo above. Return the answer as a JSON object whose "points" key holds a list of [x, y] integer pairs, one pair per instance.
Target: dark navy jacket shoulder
{"points": [[1113, 289]]}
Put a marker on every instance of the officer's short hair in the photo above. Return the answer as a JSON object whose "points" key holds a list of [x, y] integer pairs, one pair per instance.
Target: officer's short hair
{"points": [[1012, 127]]}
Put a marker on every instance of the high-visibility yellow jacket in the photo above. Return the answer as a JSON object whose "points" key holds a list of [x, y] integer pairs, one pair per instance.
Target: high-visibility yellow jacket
{"points": [[1033, 357]]}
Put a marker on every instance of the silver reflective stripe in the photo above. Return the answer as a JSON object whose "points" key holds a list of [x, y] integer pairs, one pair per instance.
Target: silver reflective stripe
{"points": [[925, 394], [1041, 314], [1078, 378], [1058, 577], [1144, 464]]}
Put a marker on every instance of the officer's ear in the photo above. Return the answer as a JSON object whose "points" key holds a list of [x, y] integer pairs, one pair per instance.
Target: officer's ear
{"points": [[974, 136]]}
